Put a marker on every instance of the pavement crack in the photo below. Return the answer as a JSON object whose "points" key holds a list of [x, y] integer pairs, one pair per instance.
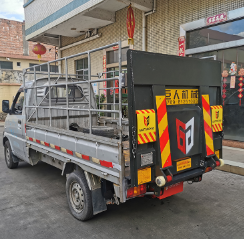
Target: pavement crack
{"points": [[6, 208]]}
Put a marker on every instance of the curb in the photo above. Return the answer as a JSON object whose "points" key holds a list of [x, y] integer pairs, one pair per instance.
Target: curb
{"points": [[233, 144], [232, 167]]}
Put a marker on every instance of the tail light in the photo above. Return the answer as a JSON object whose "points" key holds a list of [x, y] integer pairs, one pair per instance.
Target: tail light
{"points": [[208, 169], [169, 178], [136, 191]]}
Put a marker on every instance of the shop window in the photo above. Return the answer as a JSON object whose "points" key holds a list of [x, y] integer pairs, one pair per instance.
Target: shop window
{"points": [[82, 68], [233, 105], [6, 65], [225, 32], [113, 56]]}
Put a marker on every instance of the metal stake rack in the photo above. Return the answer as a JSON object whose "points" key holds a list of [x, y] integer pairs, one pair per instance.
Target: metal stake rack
{"points": [[32, 70]]}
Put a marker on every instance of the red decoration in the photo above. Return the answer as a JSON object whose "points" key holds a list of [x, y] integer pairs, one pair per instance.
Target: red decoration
{"points": [[181, 41], [224, 75], [241, 73], [39, 50], [217, 18], [130, 22]]}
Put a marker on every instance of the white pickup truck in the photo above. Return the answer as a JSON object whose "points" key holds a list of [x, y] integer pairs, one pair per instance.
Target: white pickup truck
{"points": [[109, 156]]}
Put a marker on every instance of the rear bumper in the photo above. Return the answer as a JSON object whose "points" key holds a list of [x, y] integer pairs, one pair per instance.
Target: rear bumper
{"points": [[186, 176]]}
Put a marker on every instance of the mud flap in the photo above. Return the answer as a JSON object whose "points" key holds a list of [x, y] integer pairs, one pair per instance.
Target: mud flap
{"points": [[98, 201]]}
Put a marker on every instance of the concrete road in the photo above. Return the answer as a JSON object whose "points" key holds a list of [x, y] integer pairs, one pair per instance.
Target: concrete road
{"points": [[33, 205]]}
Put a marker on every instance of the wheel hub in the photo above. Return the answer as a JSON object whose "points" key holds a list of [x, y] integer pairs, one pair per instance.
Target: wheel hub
{"points": [[8, 155], [76, 197]]}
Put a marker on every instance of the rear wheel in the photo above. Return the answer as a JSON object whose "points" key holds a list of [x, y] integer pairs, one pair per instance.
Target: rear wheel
{"points": [[79, 196], [9, 156]]}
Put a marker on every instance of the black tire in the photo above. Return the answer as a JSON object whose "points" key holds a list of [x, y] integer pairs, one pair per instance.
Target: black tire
{"points": [[101, 131], [79, 196], [9, 156]]}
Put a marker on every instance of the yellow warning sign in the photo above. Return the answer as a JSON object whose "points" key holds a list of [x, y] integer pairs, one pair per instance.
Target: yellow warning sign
{"points": [[217, 118], [146, 126], [144, 175], [181, 96], [217, 153]]}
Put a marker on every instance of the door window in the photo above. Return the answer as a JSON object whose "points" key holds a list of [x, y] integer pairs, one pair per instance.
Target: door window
{"points": [[18, 103]]}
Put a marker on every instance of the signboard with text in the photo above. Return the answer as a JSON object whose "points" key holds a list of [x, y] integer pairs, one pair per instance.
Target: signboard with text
{"points": [[181, 50], [222, 17]]}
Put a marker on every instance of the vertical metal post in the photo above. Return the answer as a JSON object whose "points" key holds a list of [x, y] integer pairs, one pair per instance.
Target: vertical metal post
{"points": [[49, 90], [36, 108], [89, 87], [24, 71], [120, 87], [114, 94], [121, 156], [99, 98], [67, 94]]}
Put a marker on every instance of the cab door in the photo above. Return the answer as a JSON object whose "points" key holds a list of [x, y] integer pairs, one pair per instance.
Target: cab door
{"points": [[15, 126]]}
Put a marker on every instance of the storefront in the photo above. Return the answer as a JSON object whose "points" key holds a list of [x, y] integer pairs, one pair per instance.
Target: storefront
{"points": [[221, 37]]}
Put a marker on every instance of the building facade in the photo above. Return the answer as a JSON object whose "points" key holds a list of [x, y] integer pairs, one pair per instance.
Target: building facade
{"points": [[211, 29], [15, 55]]}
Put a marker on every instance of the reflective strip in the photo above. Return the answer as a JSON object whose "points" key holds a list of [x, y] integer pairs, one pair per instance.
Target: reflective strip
{"points": [[45, 144], [79, 155], [145, 111], [207, 125], [67, 151], [95, 160], [106, 164], [82, 156], [55, 147], [85, 157], [146, 138], [163, 131]]}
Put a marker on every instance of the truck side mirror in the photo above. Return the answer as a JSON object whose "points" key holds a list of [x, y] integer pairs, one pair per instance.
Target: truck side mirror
{"points": [[5, 106]]}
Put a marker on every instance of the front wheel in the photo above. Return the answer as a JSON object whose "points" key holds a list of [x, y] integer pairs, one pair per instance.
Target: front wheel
{"points": [[79, 196], [9, 156]]}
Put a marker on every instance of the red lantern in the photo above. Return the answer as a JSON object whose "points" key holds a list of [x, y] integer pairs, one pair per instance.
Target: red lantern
{"points": [[39, 50], [130, 22]]}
